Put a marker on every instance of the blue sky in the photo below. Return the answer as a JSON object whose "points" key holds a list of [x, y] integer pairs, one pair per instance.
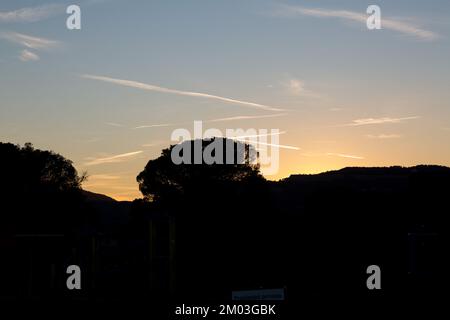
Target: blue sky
{"points": [[354, 96]]}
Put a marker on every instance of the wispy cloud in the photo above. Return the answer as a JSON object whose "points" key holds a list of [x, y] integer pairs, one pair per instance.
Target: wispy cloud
{"points": [[349, 156], [113, 124], [155, 125], [104, 177], [296, 87], [371, 121], [259, 135], [28, 41], [150, 87], [112, 159], [119, 125], [88, 140], [154, 144], [235, 118], [384, 136], [245, 139], [31, 14], [246, 117], [26, 55], [281, 146], [392, 24]]}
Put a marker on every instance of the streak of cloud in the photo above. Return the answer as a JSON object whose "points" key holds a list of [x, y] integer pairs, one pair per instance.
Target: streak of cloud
{"points": [[257, 143], [150, 87], [103, 177], [235, 118], [156, 125], [113, 124], [261, 135], [344, 155], [31, 14], [246, 117], [154, 144], [384, 136], [391, 24], [27, 55], [245, 139], [28, 41], [113, 159], [371, 121]]}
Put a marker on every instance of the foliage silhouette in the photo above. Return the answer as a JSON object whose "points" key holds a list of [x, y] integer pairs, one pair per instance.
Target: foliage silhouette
{"points": [[164, 181], [40, 190]]}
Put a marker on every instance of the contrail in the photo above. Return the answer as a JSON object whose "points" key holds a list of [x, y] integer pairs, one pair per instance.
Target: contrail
{"points": [[113, 159], [247, 117], [391, 24], [344, 155], [369, 121], [150, 87]]}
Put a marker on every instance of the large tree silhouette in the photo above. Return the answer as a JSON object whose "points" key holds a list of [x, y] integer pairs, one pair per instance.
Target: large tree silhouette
{"points": [[40, 190], [162, 180], [27, 169]]}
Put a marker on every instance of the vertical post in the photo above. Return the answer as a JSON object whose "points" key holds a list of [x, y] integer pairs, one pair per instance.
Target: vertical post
{"points": [[30, 278], [172, 255], [151, 253], [94, 263]]}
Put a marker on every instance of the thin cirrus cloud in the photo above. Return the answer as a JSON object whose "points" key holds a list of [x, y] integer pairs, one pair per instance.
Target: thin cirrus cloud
{"points": [[155, 144], [26, 55], [246, 117], [40, 13], [261, 135], [114, 124], [391, 24], [30, 42], [296, 87], [161, 125], [104, 177], [280, 146], [342, 155], [112, 159], [384, 136], [235, 118], [374, 121], [245, 139], [31, 14], [149, 87]]}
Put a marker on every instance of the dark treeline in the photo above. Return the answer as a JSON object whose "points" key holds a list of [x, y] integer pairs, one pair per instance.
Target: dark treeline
{"points": [[201, 231]]}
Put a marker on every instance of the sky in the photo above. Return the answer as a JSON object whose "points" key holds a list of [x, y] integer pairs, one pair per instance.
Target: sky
{"points": [[108, 96]]}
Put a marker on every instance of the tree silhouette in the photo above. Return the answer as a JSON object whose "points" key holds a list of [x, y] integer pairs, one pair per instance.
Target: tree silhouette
{"points": [[162, 180], [31, 170], [41, 190]]}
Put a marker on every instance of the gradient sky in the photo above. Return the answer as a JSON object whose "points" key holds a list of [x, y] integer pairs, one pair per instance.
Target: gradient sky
{"points": [[354, 97]]}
